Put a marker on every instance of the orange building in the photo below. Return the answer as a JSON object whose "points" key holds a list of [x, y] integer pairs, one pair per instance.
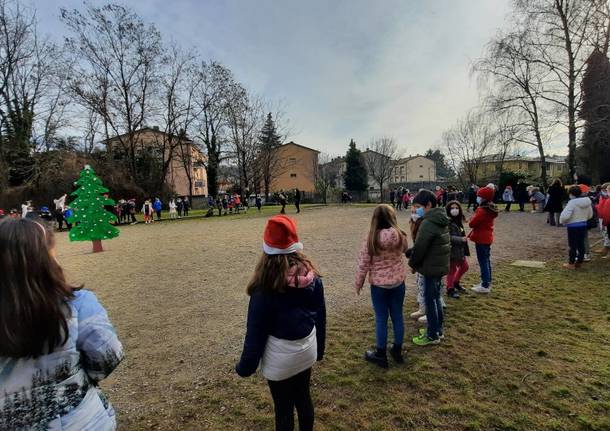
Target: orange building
{"points": [[296, 168], [186, 157]]}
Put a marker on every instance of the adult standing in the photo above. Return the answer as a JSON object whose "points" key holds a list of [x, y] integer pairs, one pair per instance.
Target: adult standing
{"points": [[393, 198], [282, 199], [472, 198], [26, 208], [297, 200], [185, 206], [521, 194], [508, 197], [554, 204], [60, 207], [179, 206]]}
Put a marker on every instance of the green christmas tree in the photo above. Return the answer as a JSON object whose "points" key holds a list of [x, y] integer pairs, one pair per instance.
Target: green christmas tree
{"points": [[91, 221]]}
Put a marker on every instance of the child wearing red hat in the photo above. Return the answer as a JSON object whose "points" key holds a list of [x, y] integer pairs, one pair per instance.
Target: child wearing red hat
{"points": [[286, 327], [482, 225]]}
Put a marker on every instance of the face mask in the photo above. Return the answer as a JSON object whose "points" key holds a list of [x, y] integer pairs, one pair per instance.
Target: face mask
{"points": [[455, 212], [420, 211], [414, 216], [605, 194], [479, 200]]}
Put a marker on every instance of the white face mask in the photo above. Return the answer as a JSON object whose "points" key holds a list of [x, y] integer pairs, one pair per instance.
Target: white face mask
{"points": [[414, 216], [455, 212]]}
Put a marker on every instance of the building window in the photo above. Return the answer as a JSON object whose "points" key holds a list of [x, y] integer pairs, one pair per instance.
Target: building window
{"points": [[421, 166], [402, 179], [293, 175], [402, 169], [199, 184], [292, 161], [421, 176]]}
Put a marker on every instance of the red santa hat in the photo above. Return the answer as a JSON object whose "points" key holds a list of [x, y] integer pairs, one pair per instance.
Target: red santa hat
{"points": [[486, 193], [281, 236]]}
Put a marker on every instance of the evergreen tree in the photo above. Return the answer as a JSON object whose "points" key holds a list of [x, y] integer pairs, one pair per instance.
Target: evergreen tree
{"points": [[91, 221], [355, 176], [442, 168], [594, 151], [268, 163]]}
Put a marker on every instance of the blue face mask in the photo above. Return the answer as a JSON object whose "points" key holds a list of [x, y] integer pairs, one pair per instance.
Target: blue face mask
{"points": [[479, 200], [420, 211]]}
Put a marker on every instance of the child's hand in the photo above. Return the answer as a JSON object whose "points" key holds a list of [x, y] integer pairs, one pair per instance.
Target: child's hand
{"points": [[358, 289]]}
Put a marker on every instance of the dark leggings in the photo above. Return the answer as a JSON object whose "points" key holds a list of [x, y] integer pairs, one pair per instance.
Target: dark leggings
{"points": [[288, 394], [576, 242]]}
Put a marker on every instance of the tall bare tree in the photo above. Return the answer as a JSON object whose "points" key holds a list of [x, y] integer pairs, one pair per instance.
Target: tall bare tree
{"points": [[563, 33], [117, 58], [380, 161], [516, 81], [468, 143], [327, 175]]}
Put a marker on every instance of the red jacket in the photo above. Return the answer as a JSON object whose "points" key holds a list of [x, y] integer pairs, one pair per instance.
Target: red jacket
{"points": [[603, 210], [482, 225]]}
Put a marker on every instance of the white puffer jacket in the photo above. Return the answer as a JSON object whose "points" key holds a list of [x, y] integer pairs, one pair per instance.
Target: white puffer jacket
{"points": [[576, 212]]}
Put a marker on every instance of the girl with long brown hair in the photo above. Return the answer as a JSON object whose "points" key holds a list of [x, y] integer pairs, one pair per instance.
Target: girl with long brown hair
{"points": [[381, 258], [286, 326], [56, 342]]}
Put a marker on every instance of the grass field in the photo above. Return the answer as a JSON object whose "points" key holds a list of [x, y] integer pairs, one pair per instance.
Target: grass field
{"points": [[533, 355]]}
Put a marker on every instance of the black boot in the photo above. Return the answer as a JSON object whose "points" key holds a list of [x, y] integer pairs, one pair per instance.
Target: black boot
{"points": [[453, 293], [396, 353], [459, 287], [377, 357]]}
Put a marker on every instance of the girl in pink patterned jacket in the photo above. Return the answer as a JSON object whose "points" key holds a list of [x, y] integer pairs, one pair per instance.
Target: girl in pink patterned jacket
{"points": [[382, 259]]}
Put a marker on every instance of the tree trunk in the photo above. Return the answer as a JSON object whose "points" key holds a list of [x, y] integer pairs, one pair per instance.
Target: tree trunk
{"points": [[212, 174], [97, 246], [381, 191]]}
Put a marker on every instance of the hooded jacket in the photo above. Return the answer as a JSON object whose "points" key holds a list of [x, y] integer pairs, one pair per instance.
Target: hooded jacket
{"points": [[482, 224], [291, 315], [603, 210], [386, 269], [430, 253], [577, 212]]}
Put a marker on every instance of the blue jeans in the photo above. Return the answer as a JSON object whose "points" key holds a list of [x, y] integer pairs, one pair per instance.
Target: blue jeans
{"points": [[484, 258], [434, 306], [388, 302]]}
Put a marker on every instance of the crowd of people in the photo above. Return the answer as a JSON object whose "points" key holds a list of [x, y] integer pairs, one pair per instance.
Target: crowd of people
{"points": [[61, 332]]}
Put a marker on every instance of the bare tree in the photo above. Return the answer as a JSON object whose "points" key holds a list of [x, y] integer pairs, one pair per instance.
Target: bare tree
{"points": [[563, 32], [245, 116], [30, 99], [117, 57], [468, 143], [515, 83], [380, 161], [212, 120], [327, 174]]}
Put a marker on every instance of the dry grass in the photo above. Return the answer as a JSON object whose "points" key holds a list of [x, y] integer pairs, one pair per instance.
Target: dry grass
{"points": [[533, 355]]}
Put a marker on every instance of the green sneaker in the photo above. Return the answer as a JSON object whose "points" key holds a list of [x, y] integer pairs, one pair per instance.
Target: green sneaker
{"points": [[423, 340], [423, 332]]}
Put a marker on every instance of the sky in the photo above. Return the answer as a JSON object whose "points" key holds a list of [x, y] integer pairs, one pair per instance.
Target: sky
{"points": [[340, 69]]}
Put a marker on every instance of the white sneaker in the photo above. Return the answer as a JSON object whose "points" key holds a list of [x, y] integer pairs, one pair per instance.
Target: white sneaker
{"points": [[419, 313], [480, 289], [587, 258], [423, 319]]}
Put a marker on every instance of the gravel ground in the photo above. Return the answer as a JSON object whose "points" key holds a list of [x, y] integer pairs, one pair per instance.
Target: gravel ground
{"points": [[176, 293]]}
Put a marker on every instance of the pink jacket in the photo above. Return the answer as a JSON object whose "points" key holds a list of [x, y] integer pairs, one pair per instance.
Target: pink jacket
{"points": [[386, 269]]}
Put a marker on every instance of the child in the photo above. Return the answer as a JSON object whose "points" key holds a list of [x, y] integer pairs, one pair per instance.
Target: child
{"points": [[147, 210], [537, 199], [420, 314], [381, 258], [508, 198], [179, 207], [603, 212], [286, 327], [430, 257], [56, 342], [259, 203], [574, 216], [172, 209], [458, 264], [185, 206], [482, 234]]}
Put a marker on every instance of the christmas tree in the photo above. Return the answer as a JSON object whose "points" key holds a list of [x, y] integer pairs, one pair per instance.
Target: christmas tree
{"points": [[91, 221]]}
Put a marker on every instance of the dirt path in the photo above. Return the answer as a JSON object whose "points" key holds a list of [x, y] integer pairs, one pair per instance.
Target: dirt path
{"points": [[175, 293]]}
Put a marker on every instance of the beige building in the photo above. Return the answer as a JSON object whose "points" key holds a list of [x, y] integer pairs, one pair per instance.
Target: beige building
{"points": [[490, 167], [186, 157], [414, 169], [296, 168]]}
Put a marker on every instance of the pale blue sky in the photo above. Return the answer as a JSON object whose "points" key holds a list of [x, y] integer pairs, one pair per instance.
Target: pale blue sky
{"points": [[342, 69]]}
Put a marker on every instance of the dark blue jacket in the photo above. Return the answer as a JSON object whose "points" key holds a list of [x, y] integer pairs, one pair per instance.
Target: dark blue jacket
{"points": [[290, 316]]}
